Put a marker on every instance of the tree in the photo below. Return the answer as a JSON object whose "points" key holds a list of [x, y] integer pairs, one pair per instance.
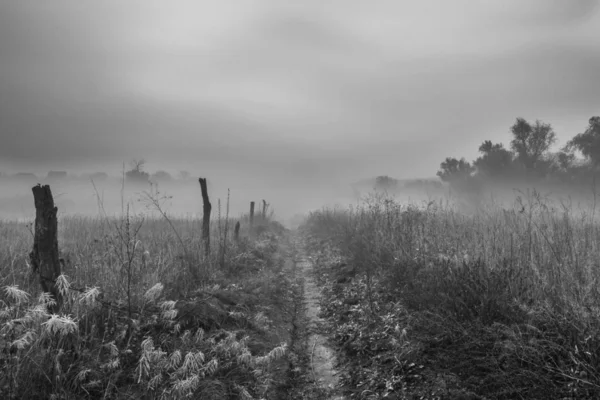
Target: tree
{"points": [[495, 159], [531, 142], [137, 173], [385, 183], [137, 165], [588, 142], [452, 169], [161, 176], [564, 160]]}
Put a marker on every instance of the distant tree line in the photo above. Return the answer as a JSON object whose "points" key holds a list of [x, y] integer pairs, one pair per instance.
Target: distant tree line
{"points": [[529, 157], [135, 174]]}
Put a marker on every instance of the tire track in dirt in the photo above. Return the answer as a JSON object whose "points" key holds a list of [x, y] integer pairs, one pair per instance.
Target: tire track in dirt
{"points": [[321, 357]]}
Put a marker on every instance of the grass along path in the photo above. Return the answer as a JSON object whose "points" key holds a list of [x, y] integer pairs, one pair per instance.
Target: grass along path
{"points": [[431, 303]]}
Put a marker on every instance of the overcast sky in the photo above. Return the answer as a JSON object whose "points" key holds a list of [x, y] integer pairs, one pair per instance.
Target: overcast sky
{"points": [[326, 90]]}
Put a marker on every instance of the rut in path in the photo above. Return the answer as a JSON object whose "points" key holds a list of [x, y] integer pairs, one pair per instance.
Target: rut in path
{"points": [[321, 357]]}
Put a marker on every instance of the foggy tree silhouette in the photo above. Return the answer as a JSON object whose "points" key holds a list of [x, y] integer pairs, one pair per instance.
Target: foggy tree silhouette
{"points": [[495, 159], [385, 182], [453, 169], [137, 173], [531, 142], [529, 158], [588, 142], [564, 160], [161, 176]]}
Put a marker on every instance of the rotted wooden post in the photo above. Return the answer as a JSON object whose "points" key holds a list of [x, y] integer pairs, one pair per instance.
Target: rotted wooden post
{"points": [[251, 216], [264, 211], [236, 232], [206, 209], [44, 257]]}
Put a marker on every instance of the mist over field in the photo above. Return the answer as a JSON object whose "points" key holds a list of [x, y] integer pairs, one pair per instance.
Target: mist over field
{"points": [[181, 196], [81, 196], [293, 103]]}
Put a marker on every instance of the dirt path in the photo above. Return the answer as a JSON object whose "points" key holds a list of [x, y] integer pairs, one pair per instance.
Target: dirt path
{"points": [[321, 358]]}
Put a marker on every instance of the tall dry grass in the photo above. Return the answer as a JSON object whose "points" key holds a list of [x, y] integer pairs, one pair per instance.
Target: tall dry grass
{"points": [[513, 290], [119, 334]]}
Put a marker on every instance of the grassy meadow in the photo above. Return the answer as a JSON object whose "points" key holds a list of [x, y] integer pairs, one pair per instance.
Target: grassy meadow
{"points": [[429, 300], [147, 313], [425, 301]]}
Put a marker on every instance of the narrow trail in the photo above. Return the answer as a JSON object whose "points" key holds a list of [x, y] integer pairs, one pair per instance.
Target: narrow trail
{"points": [[321, 358]]}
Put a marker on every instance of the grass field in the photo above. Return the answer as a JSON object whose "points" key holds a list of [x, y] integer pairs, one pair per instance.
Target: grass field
{"points": [[426, 301], [421, 301], [147, 313]]}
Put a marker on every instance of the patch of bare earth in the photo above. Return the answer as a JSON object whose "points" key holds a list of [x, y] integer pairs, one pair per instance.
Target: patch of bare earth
{"points": [[321, 358]]}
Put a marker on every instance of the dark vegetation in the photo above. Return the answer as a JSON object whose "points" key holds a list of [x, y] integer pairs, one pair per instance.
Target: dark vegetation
{"points": [[529, 159]]}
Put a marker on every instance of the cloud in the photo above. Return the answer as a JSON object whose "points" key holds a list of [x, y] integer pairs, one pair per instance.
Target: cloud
{"points": [[316, 90]]}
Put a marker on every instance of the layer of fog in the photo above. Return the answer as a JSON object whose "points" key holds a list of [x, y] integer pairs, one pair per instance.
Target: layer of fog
{"points": [[178, 197], [286, 203]]}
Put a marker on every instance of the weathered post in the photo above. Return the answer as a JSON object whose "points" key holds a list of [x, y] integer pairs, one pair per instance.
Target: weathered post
{"points": [[44, 256], [236, 232], [251, 216], [206, 208], [264, 210]]}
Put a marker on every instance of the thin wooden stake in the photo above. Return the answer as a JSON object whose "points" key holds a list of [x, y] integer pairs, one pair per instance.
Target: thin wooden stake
{"points": [[206, 209], [236, 232], [251, 216]]}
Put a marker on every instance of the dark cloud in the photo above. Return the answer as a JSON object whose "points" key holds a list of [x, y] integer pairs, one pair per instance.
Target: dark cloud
{"points": [[322, 92]]}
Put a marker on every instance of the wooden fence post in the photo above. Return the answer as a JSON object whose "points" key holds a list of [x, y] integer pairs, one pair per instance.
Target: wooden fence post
{"points": [[44, 256], [206, 208], [251, 216], [264, 210], [236, 232]]}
